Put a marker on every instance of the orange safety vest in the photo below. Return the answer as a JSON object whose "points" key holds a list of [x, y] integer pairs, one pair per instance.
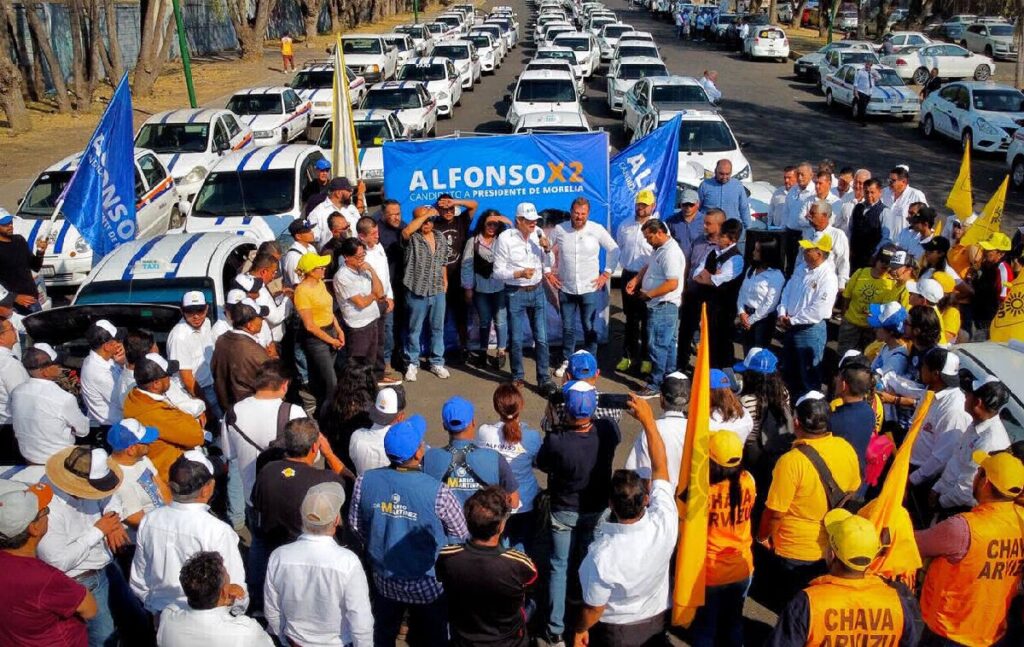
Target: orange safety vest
{"points": [[853, 612], [967, 602], [730, 557]]}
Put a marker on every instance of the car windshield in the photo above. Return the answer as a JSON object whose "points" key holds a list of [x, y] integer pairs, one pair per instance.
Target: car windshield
{"points": [[422, 72], [174, 138], [601, 22], [482, 42], [614, 31], [361, 46], [559, 56], [42, 197], [371, 133], [636, 71], [162, 291], [454, 52], [555, 129], [859, 57], [1001, 30], [415, 32], [678, 94], [397, 99], [436, 28], [400, 43], [638, 50], [889, 78], [493, 31], [546, 91], [705, 137], [246, 193], [308, 80], [770, 34], [998, 100], [256, 104], [554, 32], [576, 44]]}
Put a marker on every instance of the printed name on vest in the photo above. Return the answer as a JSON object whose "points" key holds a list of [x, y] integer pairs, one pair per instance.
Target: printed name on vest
{"points": [[396, 509], [859, 620], [1005, 559]]}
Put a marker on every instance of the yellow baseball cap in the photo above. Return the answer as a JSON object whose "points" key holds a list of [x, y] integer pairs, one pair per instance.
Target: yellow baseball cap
{"points": [[647, 197], [853, 539], [725, 448], [1003, 470], [947, 282], [824, 243], [997, 241], [310, 261]]}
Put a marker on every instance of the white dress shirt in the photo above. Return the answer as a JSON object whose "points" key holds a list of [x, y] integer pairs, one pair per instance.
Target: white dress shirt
{"points": [[726, 272], [777, 208], [896, 219], [216, 627], [320, 213], [167, 537], [842, 217], [290, 263], [279, 308], [634, 250], [956, 485], [632, 590], [834, 203], [672, 429], [46, 419], [99, 389], [667, 262], [317, 594], [864, 81], [578, 255], [940, 434], [257, 418], [512, 253], [912, 241], [840, 254], [378, 260], [760, 292], [810, 294], [795, 200], [12, 373], [350, 283], [714, 94], [72, 543], [192, 348], [366, 448]]}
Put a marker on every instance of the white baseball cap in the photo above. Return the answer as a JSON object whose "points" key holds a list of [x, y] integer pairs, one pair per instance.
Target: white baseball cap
{"points": [[387, 402], [810, 395], [20, 504], [322, 504], [527, 210], [930, 289], [197, 455], [193, 299]]}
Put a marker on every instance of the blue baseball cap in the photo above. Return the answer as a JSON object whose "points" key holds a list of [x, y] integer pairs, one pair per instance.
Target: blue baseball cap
{"points": [[5, 217], [892, 316], [457, 414], [582, 365], [758, 360], [130, 432], [322, 165], [580, 399], [720, 379], [403, 440]]}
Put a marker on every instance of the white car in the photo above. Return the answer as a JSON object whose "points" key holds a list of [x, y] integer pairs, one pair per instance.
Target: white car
{"points": [[558, 66], [847, 20], [542, 22], [404, 45], [440, 31], [441, 79], [552, 122], [992, 40], [584, 48], [69, 258], [373, 128], [609, 36], [315, 83], [462, 53], [904, 39], [840, 57], [704, 138], [414, 106], [276, 115], [806, 67], [541, 38], [663, 94], [986, 113], [890, 96], [953, 61], [766, 42], [455, 21], [638, 35], [635, 48], [258, 192], [486, 50], [495, 33], [554, 32], [1015, 160], [1005, 362], [370, 56], [597, 23], [421, 37], [543, 91], [625, 72], [508, 30]]}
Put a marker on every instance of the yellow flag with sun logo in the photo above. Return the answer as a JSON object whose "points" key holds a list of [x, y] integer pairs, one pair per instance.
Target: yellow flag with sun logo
{"points": [[1009, 320]]}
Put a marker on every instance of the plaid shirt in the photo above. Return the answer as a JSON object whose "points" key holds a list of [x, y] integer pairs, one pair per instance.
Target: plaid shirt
{"points": [[425, 268], [420, 590], [556, 413]]}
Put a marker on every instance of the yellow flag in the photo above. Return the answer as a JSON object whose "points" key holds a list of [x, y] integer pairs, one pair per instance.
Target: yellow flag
{"points": [[961, 199], [900, 558], [692, 492], [344, 145], [1009, 320], [990, 219]]}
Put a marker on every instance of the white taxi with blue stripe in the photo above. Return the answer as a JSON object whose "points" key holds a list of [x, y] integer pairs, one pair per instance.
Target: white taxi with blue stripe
{"points": [[315, 83], [409, 100], [189, 141], [69, 258], [441, 78], [373, 128], [890, 96], [277, 114], [257, 192]]}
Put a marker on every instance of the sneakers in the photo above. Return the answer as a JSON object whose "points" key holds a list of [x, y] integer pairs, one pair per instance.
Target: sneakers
{"points": [[646, 367], [478, 359], [623, 364], [551, 641], [560, 371], [440, 372], [410, 373], [648, 392]]}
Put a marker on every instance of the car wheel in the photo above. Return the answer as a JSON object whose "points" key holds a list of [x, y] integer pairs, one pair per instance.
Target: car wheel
{"points": [[982, 72], [1017, 172], [928, 126], [175, 220], [966, 137], [921, 76], [829, 101]]}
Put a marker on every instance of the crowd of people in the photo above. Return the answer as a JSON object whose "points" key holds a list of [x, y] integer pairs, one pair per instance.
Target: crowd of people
{"points": [[285, 420]]}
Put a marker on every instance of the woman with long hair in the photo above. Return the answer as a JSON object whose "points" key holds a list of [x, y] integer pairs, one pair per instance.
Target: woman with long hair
{"points": [[519, 444], [320, 333], [759, 295], [726, 411], [349, 406], [486, 292]]}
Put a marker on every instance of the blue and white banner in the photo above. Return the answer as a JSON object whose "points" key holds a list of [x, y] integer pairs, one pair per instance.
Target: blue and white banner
{"points": [[500, 171], [651, 163], [99, 200]]}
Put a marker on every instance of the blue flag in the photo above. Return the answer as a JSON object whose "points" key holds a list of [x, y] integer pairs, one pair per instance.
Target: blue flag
{"points": [[100, 198], [651, 163]]}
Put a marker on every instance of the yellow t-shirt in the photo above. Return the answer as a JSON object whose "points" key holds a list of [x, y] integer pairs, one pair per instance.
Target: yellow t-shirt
{"points": [[317, 299], [950, 323], [286, 46], [861, 291], [798, 494]]}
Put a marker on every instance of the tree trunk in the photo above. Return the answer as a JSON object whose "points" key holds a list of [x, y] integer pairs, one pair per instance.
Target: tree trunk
{"points": [[798, 13], [80, 63], [251, 33], [1018, 39], [11, 42], [116, 70], [41, 39], [773, 12], [11, 100], [311, 16], [157, 31], [862, 20], [884, 10], [824, 15]]}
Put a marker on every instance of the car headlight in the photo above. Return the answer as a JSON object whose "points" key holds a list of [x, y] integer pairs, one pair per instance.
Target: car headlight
{"points": [[743, 174], [81, 246], [373, 68], [443, 96], [263, 134], [195, 175], [619, 94], [986, 127], [322, 104]]}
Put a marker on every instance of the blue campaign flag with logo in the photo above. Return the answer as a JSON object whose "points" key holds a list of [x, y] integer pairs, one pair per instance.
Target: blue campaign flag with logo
{"points": [[100, 198], [499, 172], [651, 163]]}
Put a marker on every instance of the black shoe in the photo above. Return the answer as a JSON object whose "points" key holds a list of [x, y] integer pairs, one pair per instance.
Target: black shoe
{"points": [[478, 359], [548, 389]]}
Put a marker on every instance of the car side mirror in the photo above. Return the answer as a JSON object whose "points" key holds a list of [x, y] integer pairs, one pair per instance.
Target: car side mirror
{"points": [[223, 146]]}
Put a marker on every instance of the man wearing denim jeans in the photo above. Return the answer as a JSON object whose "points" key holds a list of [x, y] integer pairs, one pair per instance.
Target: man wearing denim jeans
{"points": [[521, 256], [660, 284], [426, 283], [577, 458], [576, 247]]}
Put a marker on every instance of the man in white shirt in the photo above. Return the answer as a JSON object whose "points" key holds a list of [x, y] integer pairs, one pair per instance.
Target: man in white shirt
{"points": [[366, 446], [822, 193], [360, 296], [209, 618], [777, 206], [660, 285], [849, 200], [368, 233], [802, 192], [266, 267], [305, 243], [142, 489], [168, 536], [634, 252], [339, 199], [625, 599], [898, 197], [190, 343], [818, 217], [576, 249], [675, 397], [805, 307], [920, 230], [12, 374], [46, 417], [709, 83], [864, 82], [521, 256], [101, 371], [316, 591]]}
